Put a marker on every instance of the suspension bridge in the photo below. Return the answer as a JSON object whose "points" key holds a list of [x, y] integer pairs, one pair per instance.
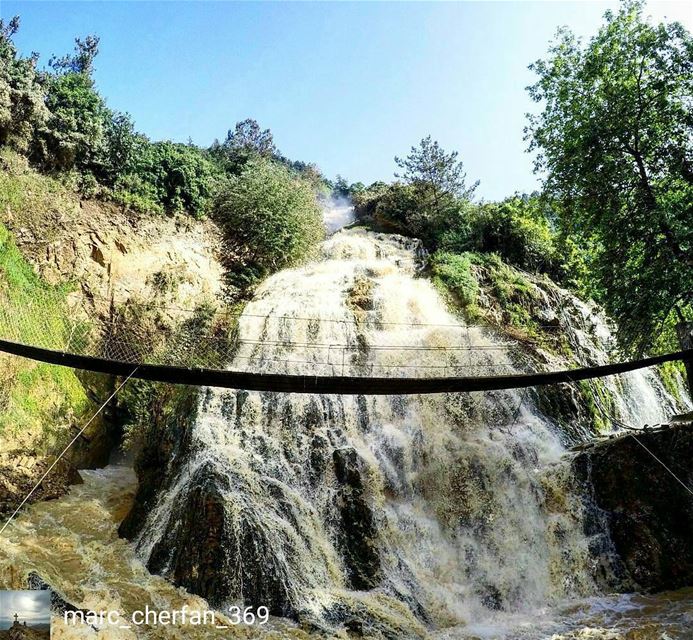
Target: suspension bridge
{"points": [[44, 327]]}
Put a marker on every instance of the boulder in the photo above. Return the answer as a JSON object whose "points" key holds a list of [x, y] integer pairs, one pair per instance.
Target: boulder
{"points": [[648, 511]]}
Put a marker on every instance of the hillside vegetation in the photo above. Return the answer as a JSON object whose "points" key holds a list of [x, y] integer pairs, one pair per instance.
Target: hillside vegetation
{"points": [[38, 402]]}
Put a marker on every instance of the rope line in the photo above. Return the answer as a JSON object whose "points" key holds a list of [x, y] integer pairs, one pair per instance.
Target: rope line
{"points": [[681, 482], [65, 450]]}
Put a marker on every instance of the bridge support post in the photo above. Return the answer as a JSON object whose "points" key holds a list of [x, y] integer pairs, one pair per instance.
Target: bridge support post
{"points": [[684, 331]]}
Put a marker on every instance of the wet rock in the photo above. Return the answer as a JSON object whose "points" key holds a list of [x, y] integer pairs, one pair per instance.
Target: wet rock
{"points": [[648, 513], [356, 622], [167, 439], [19, 472], [357, 532], [219, 555], [191, 552], [318, 457]]}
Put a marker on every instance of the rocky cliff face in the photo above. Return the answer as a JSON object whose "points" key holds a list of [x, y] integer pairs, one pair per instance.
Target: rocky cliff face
{"points": [[107, 259], [649, 514], [116, 257]]}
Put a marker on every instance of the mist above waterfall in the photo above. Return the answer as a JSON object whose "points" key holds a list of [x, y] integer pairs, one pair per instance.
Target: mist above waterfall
{"points": [[338, 212]]}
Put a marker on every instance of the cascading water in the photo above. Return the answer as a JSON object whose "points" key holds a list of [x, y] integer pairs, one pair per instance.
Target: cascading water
{"points": [[450, 516], [404, 513]]}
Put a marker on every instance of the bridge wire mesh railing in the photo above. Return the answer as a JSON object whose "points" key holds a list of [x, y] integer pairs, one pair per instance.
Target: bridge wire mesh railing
{"points": [[208, 336]]}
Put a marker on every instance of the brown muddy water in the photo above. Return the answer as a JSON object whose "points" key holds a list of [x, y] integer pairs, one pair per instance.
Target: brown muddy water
{"points": [[72, 543]]}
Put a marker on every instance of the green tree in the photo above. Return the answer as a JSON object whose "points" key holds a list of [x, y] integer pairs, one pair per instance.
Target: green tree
{"points": [[81, 61], [169, 176], [614, 141], [121, 148], [518, 229], [74, 136], [270, 217], [244, 143], [22, 96], [436, 183]]}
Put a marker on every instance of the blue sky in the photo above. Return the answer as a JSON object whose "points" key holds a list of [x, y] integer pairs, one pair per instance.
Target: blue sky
{"points": [[345, 85]]}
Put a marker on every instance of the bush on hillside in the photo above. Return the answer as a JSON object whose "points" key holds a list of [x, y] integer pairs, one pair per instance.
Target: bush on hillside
{"points": [[168, 176], [517, 229], [22, 100], [270, 217], [74, 134]]}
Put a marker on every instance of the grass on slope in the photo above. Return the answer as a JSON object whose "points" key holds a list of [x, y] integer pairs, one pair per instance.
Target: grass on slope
{"points": [[37, 401]]}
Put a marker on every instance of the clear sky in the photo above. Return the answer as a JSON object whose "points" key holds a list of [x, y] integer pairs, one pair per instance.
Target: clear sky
{"points": [[344, 85]]}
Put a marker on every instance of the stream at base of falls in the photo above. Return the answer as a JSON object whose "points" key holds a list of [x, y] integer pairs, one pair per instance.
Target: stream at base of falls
{"points": [[72, 543]]}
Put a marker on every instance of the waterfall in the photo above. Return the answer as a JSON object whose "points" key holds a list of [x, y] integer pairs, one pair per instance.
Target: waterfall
{"points": [[337, 212], [395, 514]]}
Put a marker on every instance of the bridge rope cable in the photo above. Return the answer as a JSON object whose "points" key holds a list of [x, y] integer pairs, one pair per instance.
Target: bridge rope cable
{"points": [[200, 350], [66, 449], [346, 385]]}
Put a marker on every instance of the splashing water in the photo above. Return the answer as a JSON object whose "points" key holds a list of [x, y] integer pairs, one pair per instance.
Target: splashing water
{"points": [[337, 213], [451, 516]]}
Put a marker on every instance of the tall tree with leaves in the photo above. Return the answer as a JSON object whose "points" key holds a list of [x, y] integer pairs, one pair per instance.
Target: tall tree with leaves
{"points": [[614, 140], [22, 95], [245, 142], [437, 185], [74, 135]]}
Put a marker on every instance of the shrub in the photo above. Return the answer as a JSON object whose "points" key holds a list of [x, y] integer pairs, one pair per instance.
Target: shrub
{"points": [[517, 229], [74, 135], [270, 217], [22, 97], [168, 176], [454, 273]]}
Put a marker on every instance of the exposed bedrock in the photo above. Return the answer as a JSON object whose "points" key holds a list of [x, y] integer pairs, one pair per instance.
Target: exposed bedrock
{"points": [[649, 514]]}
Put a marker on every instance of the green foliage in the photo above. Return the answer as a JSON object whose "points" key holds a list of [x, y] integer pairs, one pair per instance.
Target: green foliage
{"points": [[522, 230], [41, 399], [453, 273], [79, 62], [516, 228], [58, 119], [20, 286], [614, 140], [75, 132], [27, 196], [34, 398], [514, 293], [672, 374], [509, 298], [247, 141], [366, 199], [434, 191], [166, 176], [122, 145], [270, 217], [22, 101]]}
